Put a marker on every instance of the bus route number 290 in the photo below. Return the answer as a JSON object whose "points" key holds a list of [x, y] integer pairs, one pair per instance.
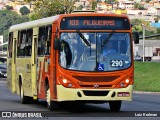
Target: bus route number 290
{"points": [[116, 63]]}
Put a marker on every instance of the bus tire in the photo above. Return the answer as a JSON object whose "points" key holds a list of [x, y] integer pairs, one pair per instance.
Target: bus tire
{"points": [[51, 105], [24, 99], [115, 105]]}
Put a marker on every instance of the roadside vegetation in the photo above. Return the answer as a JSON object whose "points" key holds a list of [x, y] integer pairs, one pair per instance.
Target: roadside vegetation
{"points": [[137, 26], [9, 18], [147, 76]]}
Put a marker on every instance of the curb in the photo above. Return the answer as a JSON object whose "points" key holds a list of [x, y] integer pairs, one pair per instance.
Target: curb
{"points": [[143, 92]]}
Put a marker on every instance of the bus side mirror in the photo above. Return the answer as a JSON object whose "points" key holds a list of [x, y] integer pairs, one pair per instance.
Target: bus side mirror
{"points": [[56, 44], [135, 36]]}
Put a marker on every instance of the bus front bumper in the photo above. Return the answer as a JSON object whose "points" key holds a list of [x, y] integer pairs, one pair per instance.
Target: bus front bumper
{"points": [[75, 94]]}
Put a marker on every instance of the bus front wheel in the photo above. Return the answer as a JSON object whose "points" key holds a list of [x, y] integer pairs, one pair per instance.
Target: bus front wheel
{"points": [[52, 105], [115, 105]]}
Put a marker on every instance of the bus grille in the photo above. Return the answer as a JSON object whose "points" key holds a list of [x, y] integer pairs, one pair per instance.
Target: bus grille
{"points": [[100, 86], [95, 93], [96, 78]]}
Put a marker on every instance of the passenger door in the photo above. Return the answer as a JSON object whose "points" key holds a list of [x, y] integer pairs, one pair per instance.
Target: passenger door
{"points": [[12, 63], [9, 61], [28, 62], [34, 63]]}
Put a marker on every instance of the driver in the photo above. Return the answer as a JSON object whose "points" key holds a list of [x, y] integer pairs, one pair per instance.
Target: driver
{"points": [[108, 49]]}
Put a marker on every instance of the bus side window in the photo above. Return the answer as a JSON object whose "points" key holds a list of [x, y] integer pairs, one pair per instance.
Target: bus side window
{"points": [[28, 46], [21, 43], [10, 45], [41, 41], [48, 39], [44, 40]]}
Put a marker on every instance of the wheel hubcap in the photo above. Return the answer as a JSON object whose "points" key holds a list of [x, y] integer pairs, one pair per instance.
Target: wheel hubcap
{"points": [[21, 92], [48, 96]]}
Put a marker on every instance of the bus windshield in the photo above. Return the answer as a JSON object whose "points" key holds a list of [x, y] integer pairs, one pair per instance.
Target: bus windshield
{"points": [[95, 51]]}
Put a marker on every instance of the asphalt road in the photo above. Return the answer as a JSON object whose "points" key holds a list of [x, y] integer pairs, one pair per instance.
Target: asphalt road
{"points": [[143, 103]]}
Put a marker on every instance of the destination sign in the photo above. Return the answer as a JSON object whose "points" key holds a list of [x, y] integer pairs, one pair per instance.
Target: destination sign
{"points": [[92, 22], [95, 23]]}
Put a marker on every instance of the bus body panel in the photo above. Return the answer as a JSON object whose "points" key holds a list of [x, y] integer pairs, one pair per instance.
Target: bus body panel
{"points": [[23, 69], [40, 77], [53, 61], [71, 94]]}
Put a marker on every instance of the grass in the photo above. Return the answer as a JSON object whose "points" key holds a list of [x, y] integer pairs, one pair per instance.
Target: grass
{"points": [[147, 76]]}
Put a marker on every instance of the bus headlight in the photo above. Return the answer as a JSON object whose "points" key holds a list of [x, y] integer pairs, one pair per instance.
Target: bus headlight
{"points": [[67, 83], [64, 81], [124, 83], [127, 81]]}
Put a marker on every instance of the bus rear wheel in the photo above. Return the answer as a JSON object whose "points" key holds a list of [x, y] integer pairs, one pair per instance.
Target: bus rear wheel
{"points": [[115, 105], [24, 99], [52, 105]]}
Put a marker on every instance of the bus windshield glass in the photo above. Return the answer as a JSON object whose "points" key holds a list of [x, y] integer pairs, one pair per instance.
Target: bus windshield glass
{"points": [[95, 51]]}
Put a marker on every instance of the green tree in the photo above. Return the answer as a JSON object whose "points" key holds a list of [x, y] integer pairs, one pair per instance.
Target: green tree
{"points": [[158, 30], [110, 1], [9, 18], [80, 7], [139, 6], [137, 26], [136, 5], [24, 10], [142, 8], [46, 8], [147, 1], [94, 5]]}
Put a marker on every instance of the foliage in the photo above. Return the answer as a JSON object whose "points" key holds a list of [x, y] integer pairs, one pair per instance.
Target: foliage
{"points": [[80, 7], [9, 18], [109, 1], [139, 6], [32, 16], [142, 8], [137, 26], [24, 10], [147, 1], [9, 7], [94, 5], [46, 8], [158, 30]]}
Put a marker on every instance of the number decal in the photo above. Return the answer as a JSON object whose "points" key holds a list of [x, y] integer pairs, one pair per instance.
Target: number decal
{"points": [[116, 63]]}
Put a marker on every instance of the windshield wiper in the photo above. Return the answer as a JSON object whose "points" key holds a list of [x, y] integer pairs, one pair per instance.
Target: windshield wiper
{"points": [[83, 38], [108, 37]]}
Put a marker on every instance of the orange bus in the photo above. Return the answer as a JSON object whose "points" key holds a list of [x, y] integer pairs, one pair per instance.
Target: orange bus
{"points": [[82, 57]]}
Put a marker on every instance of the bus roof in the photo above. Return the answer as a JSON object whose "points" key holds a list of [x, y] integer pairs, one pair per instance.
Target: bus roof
{"points": [[50, 20], [35, 23]]}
